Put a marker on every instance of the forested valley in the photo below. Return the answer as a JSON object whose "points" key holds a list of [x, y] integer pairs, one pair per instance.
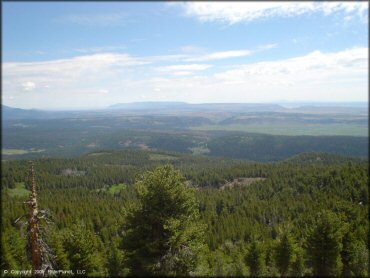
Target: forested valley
{"points": [[185, 139], [132, 212]]}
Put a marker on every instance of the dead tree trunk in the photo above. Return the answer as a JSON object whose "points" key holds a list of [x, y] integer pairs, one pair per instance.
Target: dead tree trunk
{"points": [[34, 225]]}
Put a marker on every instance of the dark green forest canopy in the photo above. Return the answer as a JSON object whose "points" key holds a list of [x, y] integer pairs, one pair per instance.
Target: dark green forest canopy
{"points": [[278, 211], [242, 133]]}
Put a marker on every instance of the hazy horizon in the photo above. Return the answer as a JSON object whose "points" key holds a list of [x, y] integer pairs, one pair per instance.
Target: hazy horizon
{"points": [[89, 55], [283, 103]]}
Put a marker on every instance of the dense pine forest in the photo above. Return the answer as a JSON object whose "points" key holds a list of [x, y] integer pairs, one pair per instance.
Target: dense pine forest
{"points": [[131, 212], [185, 139]]}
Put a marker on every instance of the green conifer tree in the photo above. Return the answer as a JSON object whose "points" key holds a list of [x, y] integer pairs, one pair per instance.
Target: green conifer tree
{"points": [[324, 245], [116, 262], [297, 266], [61, 259], [163, 235], [83, 250], [284, 253], [255, 259], [355, 257]]}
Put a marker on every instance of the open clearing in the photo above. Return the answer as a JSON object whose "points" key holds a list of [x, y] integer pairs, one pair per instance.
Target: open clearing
{"points": [[317, 129], [20, 151], [96, 154], [19, 190], [241, 182], [115, 188]]}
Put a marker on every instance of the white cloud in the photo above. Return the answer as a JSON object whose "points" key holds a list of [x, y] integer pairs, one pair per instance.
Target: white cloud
{"points": [[267, 46], [192, 49], [182, 73], [28, 86], [313, 67], [103, 79], [69, 70], [183, 69], [220, 55], [69, 80], [188, 67], [335, 76], [234, 12], [199, 54], [103, 91]]}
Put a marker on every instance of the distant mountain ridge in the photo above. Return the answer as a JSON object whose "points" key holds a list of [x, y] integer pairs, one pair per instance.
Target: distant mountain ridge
{"points": [[12, 113], [197, 107], [18, 113], [148, 104]]}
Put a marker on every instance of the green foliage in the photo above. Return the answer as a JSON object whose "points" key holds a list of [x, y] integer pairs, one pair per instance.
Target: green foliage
{"points": [[253, 146], [227, 260], [18, 189], [163, 235], [149, 218], [284, 254], [74, 134], [355, 257], [255, 259], [324, 245], [83, 250], [116, 262], [56, 243], [14, 254], [297, 265]]}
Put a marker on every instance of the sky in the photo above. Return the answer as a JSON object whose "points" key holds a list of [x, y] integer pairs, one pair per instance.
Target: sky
{"points": [[81, 55]]}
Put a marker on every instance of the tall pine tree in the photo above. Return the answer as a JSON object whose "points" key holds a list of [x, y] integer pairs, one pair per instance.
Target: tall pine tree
{"points": [[163, 235], [284, 254], [255, 259], [324, 245]]}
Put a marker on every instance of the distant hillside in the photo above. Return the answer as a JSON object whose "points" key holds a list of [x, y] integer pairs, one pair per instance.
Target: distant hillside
{"points": [[263, 147], [322, 158], [183, 106], [331, 109], [149, 105], [351, 104], [12, 113], [17, 113]]}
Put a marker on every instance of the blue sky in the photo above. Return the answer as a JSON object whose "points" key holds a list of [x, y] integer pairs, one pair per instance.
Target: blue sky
{"points": [[59, 55]]}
